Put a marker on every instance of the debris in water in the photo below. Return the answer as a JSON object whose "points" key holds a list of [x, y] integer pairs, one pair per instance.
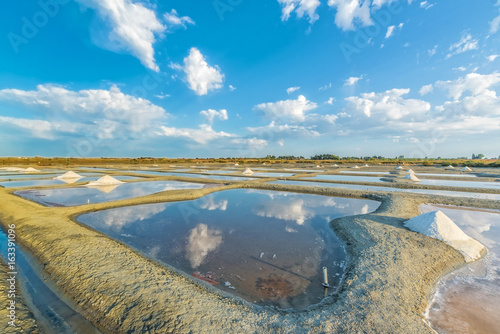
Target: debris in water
{"points": [[228, 285], [208, 277], [261, 255]]}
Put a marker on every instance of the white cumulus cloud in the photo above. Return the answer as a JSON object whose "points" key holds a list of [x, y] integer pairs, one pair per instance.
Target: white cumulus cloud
{"points": [[473, 82], [351, 11], [292, 89], [466, 43], [111, 113], [200, 76], [174, 20], [495, 25], [301, 8], [295, 110], [203, 135], [210, 114], [426, 90], [352, 81], [132, 28]]}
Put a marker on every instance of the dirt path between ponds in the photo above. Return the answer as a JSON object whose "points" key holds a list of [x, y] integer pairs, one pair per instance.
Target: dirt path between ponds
{"points": [[390, 274]]}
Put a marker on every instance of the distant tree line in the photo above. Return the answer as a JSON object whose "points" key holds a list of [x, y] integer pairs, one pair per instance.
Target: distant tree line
{"points": [[477, 157]]}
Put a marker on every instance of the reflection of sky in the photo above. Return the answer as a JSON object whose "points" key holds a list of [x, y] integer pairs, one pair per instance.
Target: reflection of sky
{"points": [[116, 219], [201, 241], [240, 235], [296, 208], [457, 183], [80, 195], [389, 189]]}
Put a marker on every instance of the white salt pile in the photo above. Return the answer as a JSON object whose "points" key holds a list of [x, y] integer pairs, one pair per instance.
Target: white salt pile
{"points": [[106, 180], [450, 167], [236, 164], [366, 165], [437, 225], [248, 171], [31, 170], [412, 177], [466, 169], [410, 171], [335, 165], [399, 168], [68, 175], [355, 166]]}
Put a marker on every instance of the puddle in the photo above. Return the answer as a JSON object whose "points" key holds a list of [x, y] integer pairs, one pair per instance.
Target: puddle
{"points": [[347, 178], [266, 247], [26, 176], [468, 300], [83, 195], [51, 313], [375, 188]]}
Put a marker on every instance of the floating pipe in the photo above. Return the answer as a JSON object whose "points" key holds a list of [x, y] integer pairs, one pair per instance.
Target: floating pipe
{"points": [[325, 278]]}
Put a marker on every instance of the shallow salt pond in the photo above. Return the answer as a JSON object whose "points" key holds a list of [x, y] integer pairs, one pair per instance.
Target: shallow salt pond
{"points": [[390, 189], [346, 178], [266, 247], [468, 300], [453, 183], [197, 175], [83, 195], [351, 172], [52, 182], [452, 175]]}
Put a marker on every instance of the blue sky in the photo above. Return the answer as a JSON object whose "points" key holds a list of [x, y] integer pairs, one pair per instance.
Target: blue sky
{"points": [[247, 78]]}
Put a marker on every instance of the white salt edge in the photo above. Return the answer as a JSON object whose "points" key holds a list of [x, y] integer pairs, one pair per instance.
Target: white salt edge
{"points": [[437, 225]]}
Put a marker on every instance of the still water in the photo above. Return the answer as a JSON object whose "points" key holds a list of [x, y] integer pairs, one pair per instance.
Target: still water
{"points": [[266, 247], [55, 182], [374, 188], [83, 195], [468, 300]]}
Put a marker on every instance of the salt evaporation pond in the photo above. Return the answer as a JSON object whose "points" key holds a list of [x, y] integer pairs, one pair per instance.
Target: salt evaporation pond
{"points": [[346, 178], [52, 182], [273, 174], [453, 175], [197, 175], [349, 172], [468, 300], [390, 189], [453, 183], [266, 247], [83, 195]]}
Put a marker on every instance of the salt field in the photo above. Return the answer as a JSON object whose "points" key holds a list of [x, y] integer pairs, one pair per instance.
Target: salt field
{"points": [[87, 195], [468, 299], [346, 178], [266, 247]]}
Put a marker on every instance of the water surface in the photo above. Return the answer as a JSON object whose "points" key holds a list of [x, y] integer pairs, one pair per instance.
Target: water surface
{"points": [[83, 195], [346, 178], [390, 189], [266, 247], [468, 300]]}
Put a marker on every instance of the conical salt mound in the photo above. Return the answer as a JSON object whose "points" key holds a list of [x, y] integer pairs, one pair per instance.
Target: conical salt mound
{"points": [[466, 169], [399, 168], [450, 167], [68, 175], [355, 166], [318, 166], [412, 177], [437, 225], [366, 165], [248, 171], [236, 164], [410, 171], [31, 170], [106, 180], [335, 165]]}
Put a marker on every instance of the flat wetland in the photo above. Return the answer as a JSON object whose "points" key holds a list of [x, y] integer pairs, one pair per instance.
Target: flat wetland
{"points": [[388, 280]]}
